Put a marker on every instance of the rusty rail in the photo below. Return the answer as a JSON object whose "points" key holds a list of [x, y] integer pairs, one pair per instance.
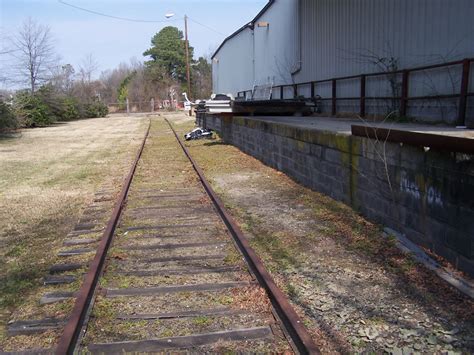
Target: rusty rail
{"points": [[404, 97], [291, 321], [73, 327]]}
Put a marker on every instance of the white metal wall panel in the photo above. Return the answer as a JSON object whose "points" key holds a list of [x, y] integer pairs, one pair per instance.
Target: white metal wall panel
{"points": [[232, 67], [261, 55], [276, 45]]}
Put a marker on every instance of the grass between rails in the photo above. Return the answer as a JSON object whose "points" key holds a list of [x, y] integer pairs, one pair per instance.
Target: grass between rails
{"points": [[48, 176], [163, 165]]}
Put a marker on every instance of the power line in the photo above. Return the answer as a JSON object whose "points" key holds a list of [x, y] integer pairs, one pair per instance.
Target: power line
{"points": [[206, 26], [112, 16], [136, 20]]}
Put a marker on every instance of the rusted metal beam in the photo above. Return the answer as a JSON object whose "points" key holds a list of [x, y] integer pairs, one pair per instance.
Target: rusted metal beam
{"points": [[362, 95], [404, 98], [72, 330], [434, 141], [466, 66], [291, 321], [400, 71]]}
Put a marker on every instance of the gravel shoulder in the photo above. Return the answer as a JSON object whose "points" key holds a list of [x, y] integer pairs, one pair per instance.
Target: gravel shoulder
{"points": [[356, 291]]}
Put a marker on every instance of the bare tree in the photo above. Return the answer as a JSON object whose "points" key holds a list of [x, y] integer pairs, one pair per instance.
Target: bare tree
{"points": [[33, 50], [385, 61], [202, 78], [63, 78], [87, 88], [3, 52], [87, 68]]}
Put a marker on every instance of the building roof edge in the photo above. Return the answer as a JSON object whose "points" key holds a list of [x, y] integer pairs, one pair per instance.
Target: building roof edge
{"points": [[247, 25]]}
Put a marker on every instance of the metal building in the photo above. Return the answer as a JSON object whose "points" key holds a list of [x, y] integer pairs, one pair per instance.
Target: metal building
{"points": [[298, 41], [262, 51]]}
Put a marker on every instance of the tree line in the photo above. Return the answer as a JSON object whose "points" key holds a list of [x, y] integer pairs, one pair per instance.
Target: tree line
{"points": [[162, 76], [60, 92]]}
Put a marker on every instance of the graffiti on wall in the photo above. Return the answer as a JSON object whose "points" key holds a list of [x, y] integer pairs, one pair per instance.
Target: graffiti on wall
{"points": [[409, 186]]}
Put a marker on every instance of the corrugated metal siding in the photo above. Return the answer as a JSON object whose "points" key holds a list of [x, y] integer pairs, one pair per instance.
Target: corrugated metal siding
{"points": [[232, 68], [276, 45], [345, 37], [339, 36]]}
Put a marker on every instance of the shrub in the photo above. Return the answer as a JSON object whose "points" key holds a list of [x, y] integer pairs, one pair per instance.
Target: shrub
{"points": [[8, 120], [71, 109], [32, 111], [95, 109], [48, 97], [48, 105]]}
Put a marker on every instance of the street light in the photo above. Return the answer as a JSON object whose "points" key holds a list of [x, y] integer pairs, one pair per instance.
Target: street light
{"points": [[188, 73]]}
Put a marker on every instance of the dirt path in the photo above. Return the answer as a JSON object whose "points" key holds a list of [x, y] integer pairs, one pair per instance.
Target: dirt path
{"points": [[356, 290], [47, 177]]}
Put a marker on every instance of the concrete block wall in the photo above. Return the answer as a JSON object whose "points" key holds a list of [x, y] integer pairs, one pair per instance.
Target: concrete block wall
{"points": [[427, 195]]}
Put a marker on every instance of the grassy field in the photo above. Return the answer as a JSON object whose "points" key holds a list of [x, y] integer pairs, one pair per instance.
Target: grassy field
{"points": [[47, 177]]}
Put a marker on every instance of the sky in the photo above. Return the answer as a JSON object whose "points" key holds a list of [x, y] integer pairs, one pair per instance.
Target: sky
{"points": [[111, 41]]}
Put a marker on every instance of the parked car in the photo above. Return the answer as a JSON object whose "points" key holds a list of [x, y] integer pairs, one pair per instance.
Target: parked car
{"points": [[198, 133]]}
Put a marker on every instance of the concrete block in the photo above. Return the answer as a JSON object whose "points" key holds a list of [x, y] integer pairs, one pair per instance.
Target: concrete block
{"points": [[466, 265], [300, 158], [413, 220], [285, 163], [314, 162], [441, 159], [464, 220], [459, 242], [416, 237], [333, 156], [412, 158], [315, 150], [303, 147], [435, 231], [286, 152], [445, 252], [380, 151]]}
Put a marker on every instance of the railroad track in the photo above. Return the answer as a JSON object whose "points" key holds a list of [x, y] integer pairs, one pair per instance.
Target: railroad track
{"points": [[173, 271]]}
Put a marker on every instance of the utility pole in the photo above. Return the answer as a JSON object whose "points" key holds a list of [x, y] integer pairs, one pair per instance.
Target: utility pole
{"points": [[188, 74], [186, 44]]}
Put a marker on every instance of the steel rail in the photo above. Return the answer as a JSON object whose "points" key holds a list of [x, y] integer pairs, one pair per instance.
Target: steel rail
{"points": [[290, 319], [72, 330]]}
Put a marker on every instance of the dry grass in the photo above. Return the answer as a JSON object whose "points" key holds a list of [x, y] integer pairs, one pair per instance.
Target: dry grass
{"points": [[48, 176], [333, 264]]}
